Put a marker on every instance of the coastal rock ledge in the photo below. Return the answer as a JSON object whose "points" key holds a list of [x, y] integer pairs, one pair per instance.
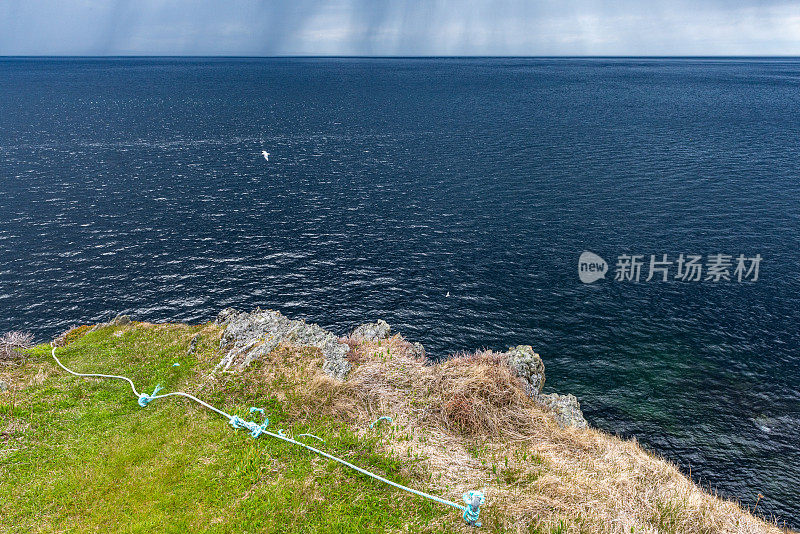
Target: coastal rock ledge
{"points": [[528, 366], [250, 336]]}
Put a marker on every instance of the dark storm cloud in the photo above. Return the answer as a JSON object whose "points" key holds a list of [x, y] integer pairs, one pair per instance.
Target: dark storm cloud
{"points": [[386, 27]]}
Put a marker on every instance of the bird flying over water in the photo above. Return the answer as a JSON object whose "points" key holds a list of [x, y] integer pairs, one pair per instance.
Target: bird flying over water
{"points": [[265, 154]]}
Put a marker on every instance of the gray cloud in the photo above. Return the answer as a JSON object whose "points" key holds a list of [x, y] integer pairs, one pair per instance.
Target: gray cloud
{"points": [[395, 27]]}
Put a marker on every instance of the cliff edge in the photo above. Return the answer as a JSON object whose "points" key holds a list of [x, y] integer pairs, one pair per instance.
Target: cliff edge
{"points": [[80, 454]]}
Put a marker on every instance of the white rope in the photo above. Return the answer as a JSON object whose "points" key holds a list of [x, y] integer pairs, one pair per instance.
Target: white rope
{"points": [[276, 436]]}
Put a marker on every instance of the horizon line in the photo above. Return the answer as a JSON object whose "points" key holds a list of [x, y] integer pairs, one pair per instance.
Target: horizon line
{"points": [[337, 56]]}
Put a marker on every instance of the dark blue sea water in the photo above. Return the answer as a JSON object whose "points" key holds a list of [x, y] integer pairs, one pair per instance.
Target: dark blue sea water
{"points": [[137, 185]]}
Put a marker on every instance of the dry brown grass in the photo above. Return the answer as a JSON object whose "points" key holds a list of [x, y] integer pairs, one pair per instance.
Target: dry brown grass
{"points": [[12, 345], [470, 424]]}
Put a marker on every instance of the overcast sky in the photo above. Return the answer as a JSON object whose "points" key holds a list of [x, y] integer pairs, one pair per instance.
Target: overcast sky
{"points": [[398, 27]]}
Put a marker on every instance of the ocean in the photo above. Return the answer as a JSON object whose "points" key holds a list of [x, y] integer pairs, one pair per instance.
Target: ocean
{"points": [[137, 185]]}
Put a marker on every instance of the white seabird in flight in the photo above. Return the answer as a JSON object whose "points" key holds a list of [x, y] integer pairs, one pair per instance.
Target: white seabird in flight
{"points": [[265, 154]]}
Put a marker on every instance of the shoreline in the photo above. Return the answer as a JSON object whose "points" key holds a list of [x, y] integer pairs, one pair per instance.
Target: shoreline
{"points": [[474, 421]]}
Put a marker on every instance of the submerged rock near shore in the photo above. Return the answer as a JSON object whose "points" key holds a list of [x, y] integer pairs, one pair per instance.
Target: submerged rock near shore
{"points": [[250, 336]]}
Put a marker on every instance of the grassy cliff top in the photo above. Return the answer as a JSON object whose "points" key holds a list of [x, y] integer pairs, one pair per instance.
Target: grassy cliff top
{"points": [[80, 455]]}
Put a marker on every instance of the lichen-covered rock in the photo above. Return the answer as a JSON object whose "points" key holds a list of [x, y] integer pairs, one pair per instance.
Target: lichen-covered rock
{"points": [[120, 320], [3, 386], [249, 336], [193, 344], [565, 408], [528, 366], [372, 331], [417, 351], [226, 315]]}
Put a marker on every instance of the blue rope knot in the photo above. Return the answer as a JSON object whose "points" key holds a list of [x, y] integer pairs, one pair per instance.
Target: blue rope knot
{"points": [[379, 419], [473, 499], [144, 398], [254, 428]]}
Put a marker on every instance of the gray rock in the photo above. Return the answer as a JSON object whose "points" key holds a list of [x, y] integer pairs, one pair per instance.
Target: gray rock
{"points": [[249, 336], [372, 331], [418, 351], [3, 386], [225, 316], [193, 344], [121, 320], [565, 408], [527, 365]]}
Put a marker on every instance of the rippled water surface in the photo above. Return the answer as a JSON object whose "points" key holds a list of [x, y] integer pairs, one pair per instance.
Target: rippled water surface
{"points": [[138, 185]]}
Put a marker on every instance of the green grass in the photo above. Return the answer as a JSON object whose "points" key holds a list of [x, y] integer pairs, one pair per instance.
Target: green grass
{"points": [[89, 459]]}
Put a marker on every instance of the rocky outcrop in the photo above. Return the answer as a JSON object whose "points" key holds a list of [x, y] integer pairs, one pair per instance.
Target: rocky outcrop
{"points": [[528, 366], [381, 330], [249, 336], [225, 316], [193, 344], [418, 351], [120, 320], [372, 331], [565, 408]]}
